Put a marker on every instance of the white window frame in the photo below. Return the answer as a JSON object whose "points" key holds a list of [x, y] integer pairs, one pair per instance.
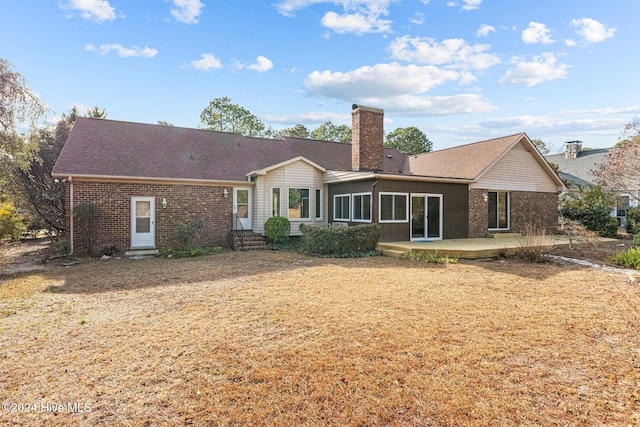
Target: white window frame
{"points": [[391, 221], [498, 213], [288, 204], [318, 206], [279, 202], [353, 204], [339, 196]]}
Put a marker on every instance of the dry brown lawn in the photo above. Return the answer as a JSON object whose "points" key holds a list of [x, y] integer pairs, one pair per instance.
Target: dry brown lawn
{"points": [[275, 338]]}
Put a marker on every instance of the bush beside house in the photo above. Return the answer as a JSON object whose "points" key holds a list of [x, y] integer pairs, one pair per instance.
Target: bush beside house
{"points": [[340, 241]]}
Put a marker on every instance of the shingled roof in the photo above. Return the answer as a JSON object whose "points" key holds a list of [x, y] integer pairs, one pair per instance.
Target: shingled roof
{"points": [[108, 148], [112, 149], [464, 162]]}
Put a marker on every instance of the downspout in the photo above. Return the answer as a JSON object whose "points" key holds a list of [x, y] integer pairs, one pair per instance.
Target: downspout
{"points": [[70, 215]]}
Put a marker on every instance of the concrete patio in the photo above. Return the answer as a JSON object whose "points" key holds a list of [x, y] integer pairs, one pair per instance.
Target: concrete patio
{"points": [[490, 247]]}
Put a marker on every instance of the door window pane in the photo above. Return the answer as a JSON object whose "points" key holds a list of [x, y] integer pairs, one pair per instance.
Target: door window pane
{"points": [[242, 203], [433, 217]]}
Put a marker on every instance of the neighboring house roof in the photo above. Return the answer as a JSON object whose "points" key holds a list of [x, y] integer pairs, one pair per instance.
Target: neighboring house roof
{"points": [[102, 148], [579, 170]]}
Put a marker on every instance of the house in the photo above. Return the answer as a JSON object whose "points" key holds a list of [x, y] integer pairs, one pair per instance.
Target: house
{"points": [[147, 178], [577, 168]]}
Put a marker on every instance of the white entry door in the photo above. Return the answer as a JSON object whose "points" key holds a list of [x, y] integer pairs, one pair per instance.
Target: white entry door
{"points": [[143, 222], [242, 208]]}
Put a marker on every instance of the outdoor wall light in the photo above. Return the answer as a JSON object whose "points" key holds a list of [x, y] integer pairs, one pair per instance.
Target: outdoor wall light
{"points": [[164, 203], [225, 192], [485, 197]]}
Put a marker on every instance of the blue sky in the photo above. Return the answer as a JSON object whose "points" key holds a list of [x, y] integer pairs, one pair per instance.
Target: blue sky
{"points": [[461, 70]]}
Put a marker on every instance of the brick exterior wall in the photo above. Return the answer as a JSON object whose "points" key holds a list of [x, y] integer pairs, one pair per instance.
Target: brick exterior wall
{"points": [[367, 136], [539, 210], [185, 203], [478, 214]]}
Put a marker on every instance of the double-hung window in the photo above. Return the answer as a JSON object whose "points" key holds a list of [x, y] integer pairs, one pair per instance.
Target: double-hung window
{"points": [[498, 210], [341, 210], [361, 207], [299, 203], [394, 207]]}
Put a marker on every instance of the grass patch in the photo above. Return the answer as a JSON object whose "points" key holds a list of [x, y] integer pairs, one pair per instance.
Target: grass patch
{"points": [[278, 338]]}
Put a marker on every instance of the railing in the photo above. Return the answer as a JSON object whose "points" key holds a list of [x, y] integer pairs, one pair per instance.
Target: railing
{"points": [[238, 226]]}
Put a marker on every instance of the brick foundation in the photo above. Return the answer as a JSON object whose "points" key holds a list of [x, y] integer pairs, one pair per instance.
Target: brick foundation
{"points": [[185, 203]]}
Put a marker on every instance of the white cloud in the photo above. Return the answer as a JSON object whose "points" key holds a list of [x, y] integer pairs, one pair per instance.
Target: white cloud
{"points": [[356, 23], [123, 52], [592, 31], [91, 10], [187, 11], [417, 18], [431, 106], [471, 4], [541, 69], [570, 42], [206, 62], [485, 30], [466, 4], [537, 33], [379, 81], [453, 52], [358, 16], [262, 65]]}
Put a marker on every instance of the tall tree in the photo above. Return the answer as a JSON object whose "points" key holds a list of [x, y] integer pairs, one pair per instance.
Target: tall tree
{"points": [[298, 131], [96, 113], [330, 132], [223, 116], [542, 146], [34, 184], [409, 140], [621, 171], [19, 108]]}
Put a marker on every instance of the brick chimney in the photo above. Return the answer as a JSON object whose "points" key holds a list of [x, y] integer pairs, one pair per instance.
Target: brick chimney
{"points": [[572, 149], [367, 137]]}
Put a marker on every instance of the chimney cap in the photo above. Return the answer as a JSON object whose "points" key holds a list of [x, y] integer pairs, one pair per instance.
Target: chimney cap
{"points": [[365, 108]]}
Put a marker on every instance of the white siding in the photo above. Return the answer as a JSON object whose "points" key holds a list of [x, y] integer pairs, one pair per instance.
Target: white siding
{"points": [[518, 170], [294, 175]]}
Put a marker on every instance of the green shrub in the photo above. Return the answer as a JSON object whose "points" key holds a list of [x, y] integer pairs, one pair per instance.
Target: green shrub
{"points": [[340, 242], [11, 222], [277, 229], [633, 220], [592, 208], [629, 258]]}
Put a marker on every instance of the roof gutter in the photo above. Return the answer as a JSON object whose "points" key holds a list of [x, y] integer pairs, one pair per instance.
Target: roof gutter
{"points": [[150, 180]]}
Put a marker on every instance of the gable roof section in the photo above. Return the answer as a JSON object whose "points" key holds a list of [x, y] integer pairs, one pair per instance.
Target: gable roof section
{"points": [[103, 148], [464, 162], [472, 161]]}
